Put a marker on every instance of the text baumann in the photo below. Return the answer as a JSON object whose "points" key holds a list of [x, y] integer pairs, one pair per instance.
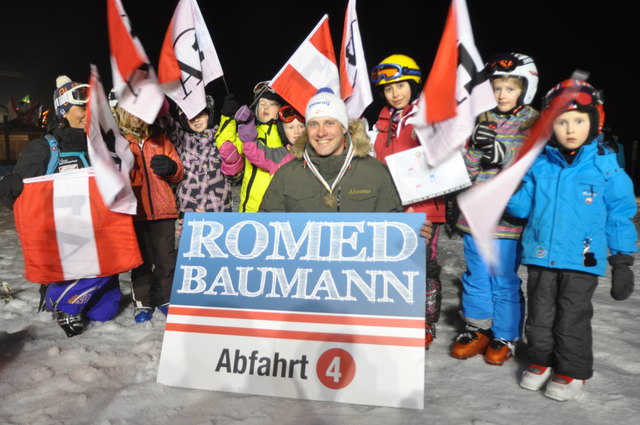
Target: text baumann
{"points": [[278, 243]]}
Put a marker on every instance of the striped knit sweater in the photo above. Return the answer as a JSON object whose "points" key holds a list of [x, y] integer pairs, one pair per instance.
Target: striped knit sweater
{"points": [[512, 131]]}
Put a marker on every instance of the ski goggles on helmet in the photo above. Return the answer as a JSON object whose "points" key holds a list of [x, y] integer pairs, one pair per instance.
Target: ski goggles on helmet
{"points": [[504, 64], [580, 95], [76, 95], [392, 71], [261, 87], [288, 114]]}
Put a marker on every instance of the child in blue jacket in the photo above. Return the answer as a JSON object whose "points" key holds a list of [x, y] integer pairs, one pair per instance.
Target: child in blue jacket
{"points": [[579, 204]]}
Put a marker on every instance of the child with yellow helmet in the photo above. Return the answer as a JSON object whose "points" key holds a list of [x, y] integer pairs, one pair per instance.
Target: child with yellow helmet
{"points": [[398, 79]]}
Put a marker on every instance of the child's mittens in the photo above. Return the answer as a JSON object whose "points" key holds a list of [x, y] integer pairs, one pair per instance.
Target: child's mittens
{"points": [[244, 115], [229, 105], [162, 165], [246, 125], [621, 276], [231, 160], [483, 138], [484, 134]]}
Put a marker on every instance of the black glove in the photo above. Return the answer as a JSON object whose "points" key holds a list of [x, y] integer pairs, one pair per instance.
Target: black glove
{"points": [[162, 165], [484, 134], [10, 188], [621, 276], [493, 154], [230, 105]]}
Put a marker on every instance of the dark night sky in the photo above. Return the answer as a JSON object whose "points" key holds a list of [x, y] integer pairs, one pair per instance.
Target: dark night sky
{"points": [[42, 39]]}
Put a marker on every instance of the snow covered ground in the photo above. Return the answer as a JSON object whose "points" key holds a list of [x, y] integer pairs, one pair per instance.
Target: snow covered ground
{"points": [[107, 375]]}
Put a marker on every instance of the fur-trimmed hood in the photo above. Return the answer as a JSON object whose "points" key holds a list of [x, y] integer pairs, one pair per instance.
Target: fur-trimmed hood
{"points": [[359, 137]]}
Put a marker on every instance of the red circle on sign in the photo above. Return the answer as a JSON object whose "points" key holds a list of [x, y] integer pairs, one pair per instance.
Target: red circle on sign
{"points": [[336, 368]]}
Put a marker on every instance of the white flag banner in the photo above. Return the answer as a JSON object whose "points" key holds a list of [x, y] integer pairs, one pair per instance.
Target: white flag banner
{"points": [[456, 92], [355, 88], [134, 80], [109, 152], [188, 59]]}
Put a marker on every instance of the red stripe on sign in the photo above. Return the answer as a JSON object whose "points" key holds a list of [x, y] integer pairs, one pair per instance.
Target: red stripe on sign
{"points": [[388, 322], [299, 335]]}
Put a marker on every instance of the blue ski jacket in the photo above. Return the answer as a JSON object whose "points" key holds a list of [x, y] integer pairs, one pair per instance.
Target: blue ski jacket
{"points": [[574, 209]]}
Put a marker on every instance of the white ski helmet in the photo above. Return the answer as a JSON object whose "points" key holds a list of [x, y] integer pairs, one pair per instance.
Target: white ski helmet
{"points": [[519, 66]]}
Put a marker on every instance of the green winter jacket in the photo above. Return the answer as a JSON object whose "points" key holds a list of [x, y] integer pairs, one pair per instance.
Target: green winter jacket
{"points": [[366, 186]]}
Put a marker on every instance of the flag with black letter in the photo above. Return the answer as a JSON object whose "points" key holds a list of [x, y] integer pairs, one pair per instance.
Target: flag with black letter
{"points": [[134, 79], [355, 89], [456, 91], [109, 152], [311, 67], [188, 59]]}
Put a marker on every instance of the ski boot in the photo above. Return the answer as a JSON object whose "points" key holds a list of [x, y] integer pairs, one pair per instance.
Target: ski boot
{"points": [[72, 325]]}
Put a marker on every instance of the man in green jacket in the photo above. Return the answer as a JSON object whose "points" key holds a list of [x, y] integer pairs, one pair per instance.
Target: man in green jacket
{"points": [[333, 171]]}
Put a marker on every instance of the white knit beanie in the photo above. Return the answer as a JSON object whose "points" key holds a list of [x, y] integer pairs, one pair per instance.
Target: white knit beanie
{"points": [[326, 104]]}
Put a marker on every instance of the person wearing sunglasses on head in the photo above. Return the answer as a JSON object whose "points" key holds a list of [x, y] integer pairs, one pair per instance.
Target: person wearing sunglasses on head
{"points": [[291, 127], [398, 79], [254, 180], [492, 299], [579, 205], [64, 149]]}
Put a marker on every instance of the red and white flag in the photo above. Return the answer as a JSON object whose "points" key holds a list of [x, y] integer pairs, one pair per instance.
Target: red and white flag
{"points": [[355, 88], [456, 91], [67, 232], [312, 67], [109, 152], [188, 59], [483, 205], [134, 80]]}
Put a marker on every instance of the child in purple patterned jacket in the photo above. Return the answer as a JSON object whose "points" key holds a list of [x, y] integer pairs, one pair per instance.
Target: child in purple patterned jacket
{"points": [[204, 187]]}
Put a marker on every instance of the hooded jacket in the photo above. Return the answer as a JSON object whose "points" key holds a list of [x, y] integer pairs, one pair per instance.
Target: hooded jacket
{"points": [[585, 206], [365, 187], [204, 187], [395, 134], [254, 180], [512, 130], [154, 193]]}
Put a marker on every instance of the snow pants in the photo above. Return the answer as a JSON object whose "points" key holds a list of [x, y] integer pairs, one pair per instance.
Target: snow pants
{"points": [[97, 299], [558, 326], [493, 298], [151, 282], [433, 288]]}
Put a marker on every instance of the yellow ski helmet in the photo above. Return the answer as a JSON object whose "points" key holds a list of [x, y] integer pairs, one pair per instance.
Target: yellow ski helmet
{"points": [[396, 68]]}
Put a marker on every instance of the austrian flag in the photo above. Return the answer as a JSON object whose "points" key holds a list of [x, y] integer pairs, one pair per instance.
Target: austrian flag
{"points": [[67, 232], [312, 67]]}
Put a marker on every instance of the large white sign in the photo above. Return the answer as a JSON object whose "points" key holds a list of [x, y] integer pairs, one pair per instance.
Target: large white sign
{"points": [[313, 306]]}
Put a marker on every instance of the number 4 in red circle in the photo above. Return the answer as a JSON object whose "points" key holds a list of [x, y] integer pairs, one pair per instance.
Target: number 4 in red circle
{"points": [[336, 368]]}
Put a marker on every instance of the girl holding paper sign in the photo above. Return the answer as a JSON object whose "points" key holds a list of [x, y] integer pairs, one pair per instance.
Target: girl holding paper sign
{"points": [[398, 78]]}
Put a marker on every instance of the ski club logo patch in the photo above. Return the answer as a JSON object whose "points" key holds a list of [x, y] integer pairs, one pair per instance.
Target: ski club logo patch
{"points": [[541, 252], [589, 195]]}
